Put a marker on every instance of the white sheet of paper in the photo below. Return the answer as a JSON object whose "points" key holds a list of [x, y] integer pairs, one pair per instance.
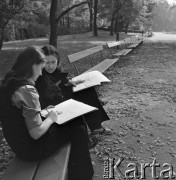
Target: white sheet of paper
{"points": [[92, 78], [70, 109]]}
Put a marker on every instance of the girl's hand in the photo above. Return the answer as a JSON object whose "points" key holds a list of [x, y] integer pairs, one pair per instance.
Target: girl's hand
{"points": [[71, 83], [50, 107], [53, 115], [74, 83], [79, 81]]}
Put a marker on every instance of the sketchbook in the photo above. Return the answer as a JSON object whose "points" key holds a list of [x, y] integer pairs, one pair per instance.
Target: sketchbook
{"points": [[90, 79], [69, 110]]}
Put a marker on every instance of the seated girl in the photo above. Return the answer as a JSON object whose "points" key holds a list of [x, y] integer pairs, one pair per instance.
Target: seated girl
{"points": [[55, 86]]}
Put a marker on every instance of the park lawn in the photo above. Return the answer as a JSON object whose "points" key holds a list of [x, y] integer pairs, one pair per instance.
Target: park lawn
{"points": [[67, 44]]}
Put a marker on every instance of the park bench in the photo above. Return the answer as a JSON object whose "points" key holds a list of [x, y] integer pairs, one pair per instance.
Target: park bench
{"points": [[52, 168], [133, 42], [102, 66], [130, 43], [114, 46]]}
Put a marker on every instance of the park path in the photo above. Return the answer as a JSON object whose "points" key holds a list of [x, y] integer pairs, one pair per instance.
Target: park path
{"points": [[142, 107]]}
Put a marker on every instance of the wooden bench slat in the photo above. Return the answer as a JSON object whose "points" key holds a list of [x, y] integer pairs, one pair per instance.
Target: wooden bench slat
{"points": [[55, 167], [20, 170], [76, 56], [133, 45], [104, 65], [123, 52]]}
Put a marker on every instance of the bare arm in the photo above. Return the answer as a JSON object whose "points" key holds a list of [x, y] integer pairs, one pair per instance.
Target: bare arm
{"points": [[75, 82], [41, 129]]}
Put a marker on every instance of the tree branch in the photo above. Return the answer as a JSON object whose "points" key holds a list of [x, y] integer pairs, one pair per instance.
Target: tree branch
{"points": [[69, 9]]}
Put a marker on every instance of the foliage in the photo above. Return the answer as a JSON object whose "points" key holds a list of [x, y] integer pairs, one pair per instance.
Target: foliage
{"points": [[8, 11], [164, 19], [127, 12], [30, 19]]}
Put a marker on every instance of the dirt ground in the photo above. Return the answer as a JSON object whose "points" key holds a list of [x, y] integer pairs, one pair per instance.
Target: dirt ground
{"points": [[141, 106]]}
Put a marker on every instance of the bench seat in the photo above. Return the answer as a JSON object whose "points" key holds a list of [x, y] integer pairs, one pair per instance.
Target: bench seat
{"points": [[123, 52], [52, 168], [20, 170], [104, 65], [132, 46]]}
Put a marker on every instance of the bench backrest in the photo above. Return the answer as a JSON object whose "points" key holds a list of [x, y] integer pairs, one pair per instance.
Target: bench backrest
{"points": [[83, 54], [128, 40], [114, 44], [79, 55]]}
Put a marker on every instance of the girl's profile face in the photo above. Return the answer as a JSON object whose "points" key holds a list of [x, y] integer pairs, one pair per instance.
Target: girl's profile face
{"points": [[51, 63], [37, 70]]}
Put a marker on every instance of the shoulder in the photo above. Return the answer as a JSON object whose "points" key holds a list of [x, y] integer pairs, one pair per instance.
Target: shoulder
{"points": [[25, 95], [26, 92], [27, 89]]}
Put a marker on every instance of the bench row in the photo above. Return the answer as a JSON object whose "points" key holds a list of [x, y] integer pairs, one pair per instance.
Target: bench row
{"points": [[129, 43]]}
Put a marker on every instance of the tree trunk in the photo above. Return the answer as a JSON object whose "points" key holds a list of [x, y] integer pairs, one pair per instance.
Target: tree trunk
{"points": [[68, 21], [95, 17], [112, 24], [117, 23], [1, 37], [1, 41], [53, 23], [91, 15], [117, 29], [126, 28]]}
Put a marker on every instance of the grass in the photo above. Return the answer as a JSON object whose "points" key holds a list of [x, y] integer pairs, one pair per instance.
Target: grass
{"points": [[67, 44]]}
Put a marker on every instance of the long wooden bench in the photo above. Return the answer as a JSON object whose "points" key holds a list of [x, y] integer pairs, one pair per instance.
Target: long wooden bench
{"points": [[134, 42], [52, 168], [130, 43], [102, 66], [115, 45]]}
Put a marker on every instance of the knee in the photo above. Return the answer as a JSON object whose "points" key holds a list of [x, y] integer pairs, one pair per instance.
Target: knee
{"points": [[82, 129]]}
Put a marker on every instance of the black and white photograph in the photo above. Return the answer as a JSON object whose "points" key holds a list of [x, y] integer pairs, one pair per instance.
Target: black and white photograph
{"points": [[87, 89]]}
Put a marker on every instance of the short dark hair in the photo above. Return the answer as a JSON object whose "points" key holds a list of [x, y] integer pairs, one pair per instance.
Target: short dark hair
{"points": [[51, 50]]}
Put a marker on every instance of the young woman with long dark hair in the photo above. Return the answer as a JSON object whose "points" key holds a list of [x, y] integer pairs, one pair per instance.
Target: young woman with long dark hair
{"points": [[29, 136]]}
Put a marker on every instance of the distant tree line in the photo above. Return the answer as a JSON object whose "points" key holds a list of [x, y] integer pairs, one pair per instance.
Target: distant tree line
{"points": [[24, 19], [164, 17]]}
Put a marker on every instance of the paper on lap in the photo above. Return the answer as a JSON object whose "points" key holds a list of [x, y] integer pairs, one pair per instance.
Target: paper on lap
{"points": [[70, 109], [92, 78]]}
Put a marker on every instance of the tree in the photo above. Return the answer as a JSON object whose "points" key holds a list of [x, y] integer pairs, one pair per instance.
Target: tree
{"points": [[90, 3], [55, 18], [8, 10], [53, 23], [95, 17]]}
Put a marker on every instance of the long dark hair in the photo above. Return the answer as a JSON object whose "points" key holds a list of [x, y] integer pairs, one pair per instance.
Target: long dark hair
{"points": [[51, 50], [22, 68]]}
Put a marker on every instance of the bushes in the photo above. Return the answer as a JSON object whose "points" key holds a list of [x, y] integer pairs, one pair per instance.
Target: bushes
{"points": [[63, 30], [32, 30], [36, 30]]}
